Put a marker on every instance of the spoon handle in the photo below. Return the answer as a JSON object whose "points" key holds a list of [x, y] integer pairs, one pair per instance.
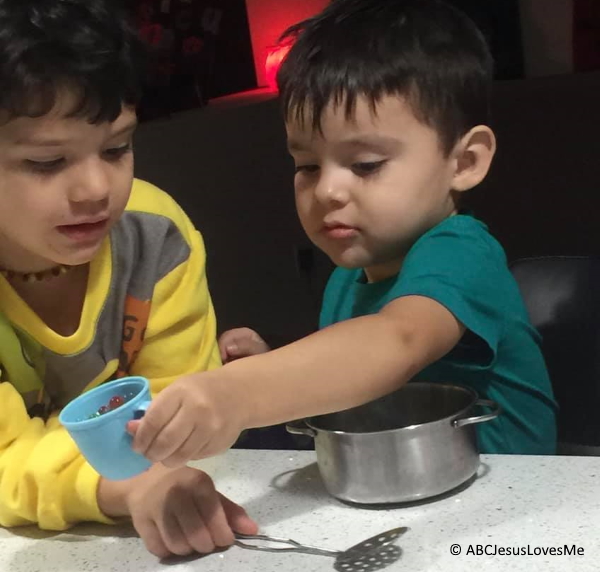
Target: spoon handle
{"points": [[292, 545]]}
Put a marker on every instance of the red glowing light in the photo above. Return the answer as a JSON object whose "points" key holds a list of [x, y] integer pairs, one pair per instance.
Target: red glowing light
{"points": [[275, 55]]}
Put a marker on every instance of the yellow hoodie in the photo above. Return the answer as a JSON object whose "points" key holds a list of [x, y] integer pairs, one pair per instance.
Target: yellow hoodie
{"points": [[147, 311]]}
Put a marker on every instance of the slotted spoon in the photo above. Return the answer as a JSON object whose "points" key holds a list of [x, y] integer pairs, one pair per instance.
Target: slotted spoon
{"points": [[375, 553]]}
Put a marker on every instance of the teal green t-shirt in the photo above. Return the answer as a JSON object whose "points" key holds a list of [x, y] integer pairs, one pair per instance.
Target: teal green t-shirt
{"points": [[460, 265]]}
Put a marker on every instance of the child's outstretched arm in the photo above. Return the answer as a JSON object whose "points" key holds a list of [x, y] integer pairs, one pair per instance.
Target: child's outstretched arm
{"points": [[342, 366]]}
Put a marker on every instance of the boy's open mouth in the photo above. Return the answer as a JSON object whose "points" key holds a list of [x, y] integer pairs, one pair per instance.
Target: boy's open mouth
{"points": [[84, 231]]}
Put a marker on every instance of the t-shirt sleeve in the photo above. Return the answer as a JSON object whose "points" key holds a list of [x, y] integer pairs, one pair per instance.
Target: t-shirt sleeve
{"points": [[460, 268]]}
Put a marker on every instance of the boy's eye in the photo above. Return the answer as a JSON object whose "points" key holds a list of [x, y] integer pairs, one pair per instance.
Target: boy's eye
{"points": [[118, 152], [367, 168], [49, 167], [45, 166], [307, 168]]}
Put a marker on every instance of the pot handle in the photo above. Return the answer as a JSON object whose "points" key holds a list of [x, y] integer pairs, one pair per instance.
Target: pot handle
{"points": [[495, 411], [299, 427]]}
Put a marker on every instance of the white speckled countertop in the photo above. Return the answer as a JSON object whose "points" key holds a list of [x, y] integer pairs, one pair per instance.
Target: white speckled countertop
{"points": [[535, 502]]}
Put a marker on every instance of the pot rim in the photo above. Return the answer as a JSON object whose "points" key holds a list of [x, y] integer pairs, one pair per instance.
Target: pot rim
{"points": [[449, 418]]}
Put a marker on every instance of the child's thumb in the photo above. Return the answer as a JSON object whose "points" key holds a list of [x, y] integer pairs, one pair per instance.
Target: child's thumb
{"points": [[132, 427]]}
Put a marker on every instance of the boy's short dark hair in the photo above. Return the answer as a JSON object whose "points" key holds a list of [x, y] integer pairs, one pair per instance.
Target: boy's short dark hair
{"points": [[84, 45], [424, 50]]}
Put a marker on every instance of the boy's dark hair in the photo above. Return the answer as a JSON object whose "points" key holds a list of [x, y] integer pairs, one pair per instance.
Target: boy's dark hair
{"points": [[424, 50], [83, 45]]}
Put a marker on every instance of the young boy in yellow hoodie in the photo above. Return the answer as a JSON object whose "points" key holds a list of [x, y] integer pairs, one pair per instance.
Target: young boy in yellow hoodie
{"points": [[101, 276]]}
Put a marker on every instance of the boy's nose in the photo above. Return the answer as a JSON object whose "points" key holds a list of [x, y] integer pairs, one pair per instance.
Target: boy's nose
{"points": [[91, 184], [330, 190]]}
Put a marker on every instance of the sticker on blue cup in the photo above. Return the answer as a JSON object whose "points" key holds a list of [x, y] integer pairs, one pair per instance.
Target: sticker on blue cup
{"points": [[103, 438]]}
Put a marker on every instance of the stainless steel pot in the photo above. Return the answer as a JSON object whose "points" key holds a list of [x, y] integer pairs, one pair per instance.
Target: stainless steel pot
{"points": [[413, 444]]}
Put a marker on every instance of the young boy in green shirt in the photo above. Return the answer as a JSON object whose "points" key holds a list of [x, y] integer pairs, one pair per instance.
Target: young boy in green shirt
{"points": [[386, 107]]}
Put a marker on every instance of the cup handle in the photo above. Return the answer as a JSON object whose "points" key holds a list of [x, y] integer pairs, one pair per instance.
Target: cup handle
{"points": [[140, 410]]}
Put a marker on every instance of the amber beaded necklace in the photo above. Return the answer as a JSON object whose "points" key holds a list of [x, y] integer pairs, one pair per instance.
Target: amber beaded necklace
{"points": [[36, 276]]}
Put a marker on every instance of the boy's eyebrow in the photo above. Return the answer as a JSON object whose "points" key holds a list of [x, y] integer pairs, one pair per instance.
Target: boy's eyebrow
{"points": [[379, 142], [59, 142], [131, 126], [294, 145]]}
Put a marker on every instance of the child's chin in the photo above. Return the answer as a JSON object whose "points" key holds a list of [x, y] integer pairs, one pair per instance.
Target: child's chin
{"points": [[84, 256], [348, 262]]}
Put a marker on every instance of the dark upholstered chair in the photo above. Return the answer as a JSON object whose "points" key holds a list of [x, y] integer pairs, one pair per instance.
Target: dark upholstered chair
{"points": [[562, 295]]}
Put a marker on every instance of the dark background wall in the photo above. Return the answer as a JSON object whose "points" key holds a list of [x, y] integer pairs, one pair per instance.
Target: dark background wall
{"points": [[227, 165], [234, 65], [542, 195], [499, 20], [202, 49], [198, 50]]}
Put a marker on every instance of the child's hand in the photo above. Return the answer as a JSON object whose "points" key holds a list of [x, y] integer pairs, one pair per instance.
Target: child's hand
{"points": [[175, 511], [239, 343], [197, 416]]}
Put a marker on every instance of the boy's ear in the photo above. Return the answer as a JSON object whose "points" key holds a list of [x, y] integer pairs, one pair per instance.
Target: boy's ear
{"points": [[473, 155]]}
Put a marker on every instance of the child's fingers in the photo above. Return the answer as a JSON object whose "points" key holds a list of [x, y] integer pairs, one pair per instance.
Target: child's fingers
{"points": [[231, 337], [173, 535], [235, 351], [237, 517], [209, 504], [169, 441], [228, 344], [159, 415], [247, 347], [192, 524], [151, 537], [187, 451], [240, 343]]}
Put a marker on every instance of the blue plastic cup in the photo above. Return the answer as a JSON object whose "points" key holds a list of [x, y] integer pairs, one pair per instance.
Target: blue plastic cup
{"points": [[104, 440]]}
